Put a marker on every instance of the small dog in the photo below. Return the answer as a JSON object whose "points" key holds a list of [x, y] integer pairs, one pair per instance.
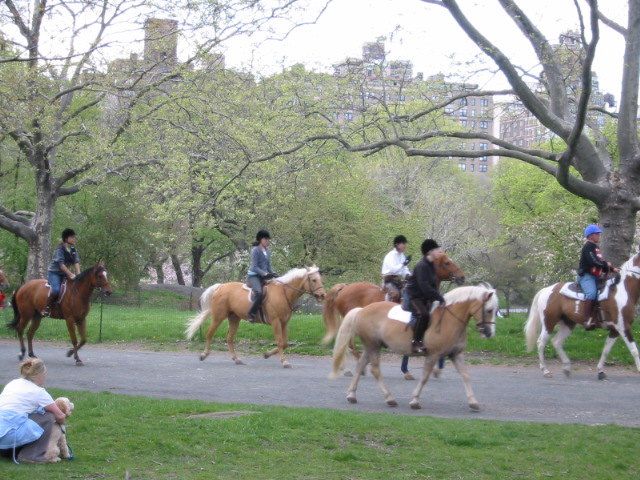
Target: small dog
{"points": [[58, 440]]}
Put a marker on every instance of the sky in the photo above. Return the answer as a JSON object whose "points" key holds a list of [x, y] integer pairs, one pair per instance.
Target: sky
{"points": [[426, 35]]}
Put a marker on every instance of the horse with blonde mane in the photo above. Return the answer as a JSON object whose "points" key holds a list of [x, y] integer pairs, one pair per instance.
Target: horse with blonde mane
{"points": [[233, 300], [385, 324], [344, 297], [553, 306]]}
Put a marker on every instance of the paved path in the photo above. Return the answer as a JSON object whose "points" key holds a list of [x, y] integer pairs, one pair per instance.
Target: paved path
{"points": [[507, 393]]}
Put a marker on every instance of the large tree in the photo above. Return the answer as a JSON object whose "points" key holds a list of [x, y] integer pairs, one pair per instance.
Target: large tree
{"points": [[68, 109], [585, 167]]}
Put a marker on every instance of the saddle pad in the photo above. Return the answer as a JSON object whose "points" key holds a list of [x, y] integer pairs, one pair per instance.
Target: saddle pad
{"points": [[569, 291], [397, 313]]}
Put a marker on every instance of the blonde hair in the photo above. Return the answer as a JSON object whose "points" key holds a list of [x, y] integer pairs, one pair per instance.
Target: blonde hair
{"points": [[32, 368]]}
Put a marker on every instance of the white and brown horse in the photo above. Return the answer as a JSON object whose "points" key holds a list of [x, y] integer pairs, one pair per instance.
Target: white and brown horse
{"points": [[232, 301], [377, 327], [550, 308]]}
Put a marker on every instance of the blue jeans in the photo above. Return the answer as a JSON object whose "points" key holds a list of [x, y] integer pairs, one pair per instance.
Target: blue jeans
{"points": [[404, 367], [589, 284], [55, 281]]}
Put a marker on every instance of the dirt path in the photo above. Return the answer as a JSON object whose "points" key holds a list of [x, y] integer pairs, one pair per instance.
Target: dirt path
{"points": [[505, 392]]}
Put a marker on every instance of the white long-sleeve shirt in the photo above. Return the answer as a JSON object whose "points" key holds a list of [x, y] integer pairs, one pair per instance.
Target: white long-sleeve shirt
{"points": [[393, 264]]}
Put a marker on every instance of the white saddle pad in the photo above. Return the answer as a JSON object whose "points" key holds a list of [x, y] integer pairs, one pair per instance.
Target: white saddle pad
{"points": [[580, 296], [397, 313]]}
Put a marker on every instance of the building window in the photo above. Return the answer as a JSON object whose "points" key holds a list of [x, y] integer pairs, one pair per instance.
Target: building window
{"points": [[348, 116], [472, 167], [463, 123], [483, 145], [463, 101], [402, 98], [336, 115], [448, 110], [463, 112], [484, 102], [463, 166], [483, 168], [483, 159], [473, 146], [484, 124]]}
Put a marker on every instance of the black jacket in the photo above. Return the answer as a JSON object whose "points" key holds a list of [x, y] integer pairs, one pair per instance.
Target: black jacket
{"points": [[424, 282]]}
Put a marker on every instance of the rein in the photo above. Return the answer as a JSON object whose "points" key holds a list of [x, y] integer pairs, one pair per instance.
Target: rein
{"points": [[481, 324], [302, 290]]}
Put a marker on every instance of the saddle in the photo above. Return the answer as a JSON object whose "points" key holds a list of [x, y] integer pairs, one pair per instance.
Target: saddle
{"points": [[262, 315], [574, 291]]}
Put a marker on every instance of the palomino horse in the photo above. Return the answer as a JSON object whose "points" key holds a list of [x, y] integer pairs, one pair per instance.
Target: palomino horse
{"points": [[4, 283], [550, 308], [31, 298], [377, 327], [231, 300], [342, 297]]}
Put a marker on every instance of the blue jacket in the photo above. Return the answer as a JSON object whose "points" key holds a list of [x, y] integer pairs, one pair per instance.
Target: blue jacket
{"points": [[16, 429], [260, 262]]}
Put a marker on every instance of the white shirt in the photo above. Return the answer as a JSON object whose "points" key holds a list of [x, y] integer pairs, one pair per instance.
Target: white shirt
{"points": [[393, 264], [24, 396]]}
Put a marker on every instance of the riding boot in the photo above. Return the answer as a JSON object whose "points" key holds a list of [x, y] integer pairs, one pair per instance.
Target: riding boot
{"points": [[254, 309], [590, 323], [47, 309], [418, 334]]}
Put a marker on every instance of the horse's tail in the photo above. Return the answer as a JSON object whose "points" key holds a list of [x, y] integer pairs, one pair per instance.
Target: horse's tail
{"points": [[344, 340], [205, 310], [13, 324], [330, 312], [533, 326]]}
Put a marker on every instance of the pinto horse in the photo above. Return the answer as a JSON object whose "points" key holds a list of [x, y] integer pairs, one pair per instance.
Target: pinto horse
{"points": [[550, 308], [377, 327], [232, 301], [31, 298], [342, 297]]}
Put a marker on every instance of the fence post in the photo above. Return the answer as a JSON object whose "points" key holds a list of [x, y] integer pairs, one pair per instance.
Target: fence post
{"points": [[100, 331]]}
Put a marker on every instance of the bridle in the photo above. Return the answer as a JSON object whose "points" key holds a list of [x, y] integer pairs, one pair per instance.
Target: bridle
{"points": [[482, 324], [310, 290], [450, 270]]}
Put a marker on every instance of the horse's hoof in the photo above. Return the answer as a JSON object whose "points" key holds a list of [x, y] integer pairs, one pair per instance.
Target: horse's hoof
{"points": [[238, 361], [392, 403], [408, 376], [286, 365], [266, 355], [20, 356], [567, 372], [436, 372], [79, 363], [202, 356], [415, 406], [348, 373], [70, 352], [548, 375], [352, 400], [602, 376], [474, 406]]}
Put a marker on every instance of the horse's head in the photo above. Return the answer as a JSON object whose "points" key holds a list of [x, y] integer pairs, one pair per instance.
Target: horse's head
{"points": [[447, 269], [4, 283], [485, 315], [100, 279], [315, 283]]}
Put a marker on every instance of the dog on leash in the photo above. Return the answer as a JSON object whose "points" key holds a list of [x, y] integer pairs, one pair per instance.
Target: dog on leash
{"points": [[58, 441]]}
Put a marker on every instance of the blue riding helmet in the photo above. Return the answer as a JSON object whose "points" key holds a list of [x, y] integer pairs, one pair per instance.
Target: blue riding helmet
{"points": [[591, 229]]}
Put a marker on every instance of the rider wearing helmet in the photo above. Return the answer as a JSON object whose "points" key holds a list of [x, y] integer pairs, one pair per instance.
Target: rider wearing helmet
{"points": [[422, 291], [65, 257], [395, 270], [260, 270], [592, 267]]}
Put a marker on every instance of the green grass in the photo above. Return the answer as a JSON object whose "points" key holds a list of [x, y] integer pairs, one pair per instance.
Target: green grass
{"points": [[118, 437]]}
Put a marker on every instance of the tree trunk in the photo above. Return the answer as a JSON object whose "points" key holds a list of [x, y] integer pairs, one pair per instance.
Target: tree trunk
{"points": [[178, 269], [196, 260], [618, 221]]}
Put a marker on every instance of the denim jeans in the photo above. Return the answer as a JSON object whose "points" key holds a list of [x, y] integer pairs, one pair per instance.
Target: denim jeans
{"points": [[589, 284], [55, 281]]}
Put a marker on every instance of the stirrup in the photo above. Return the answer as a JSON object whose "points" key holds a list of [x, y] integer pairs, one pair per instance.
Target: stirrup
{"points": [[46, 312]]}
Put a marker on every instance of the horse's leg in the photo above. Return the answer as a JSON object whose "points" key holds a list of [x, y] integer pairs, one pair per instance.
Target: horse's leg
{"points": [[558, 341], [24, 321], [355, 353], [627, 337], [216, 320], [33, 328], [234, 323], [82, 330], [374, 359], [281, 333], [362, 364], [608, 345], [461, 367], [543, 339], [429, 363]]}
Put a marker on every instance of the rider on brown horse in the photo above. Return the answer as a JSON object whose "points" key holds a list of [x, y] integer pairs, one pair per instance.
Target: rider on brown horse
{"points": [[65, 256], [395, 270], [422, 291], [260, 270]]}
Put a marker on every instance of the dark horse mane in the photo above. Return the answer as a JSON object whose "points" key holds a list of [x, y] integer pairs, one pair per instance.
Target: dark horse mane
{"points": [[85, 273]]}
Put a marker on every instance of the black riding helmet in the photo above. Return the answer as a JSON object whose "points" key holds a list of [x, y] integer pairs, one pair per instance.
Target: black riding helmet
{"points": [[262, 234], [428, 245], [400, 239], [66, 233]]}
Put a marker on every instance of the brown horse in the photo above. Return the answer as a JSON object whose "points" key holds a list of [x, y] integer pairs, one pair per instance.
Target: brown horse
{"points": [[231, 300], [342, 297], [4, 282], [31, 298], [377, 327], [618, 303]]}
